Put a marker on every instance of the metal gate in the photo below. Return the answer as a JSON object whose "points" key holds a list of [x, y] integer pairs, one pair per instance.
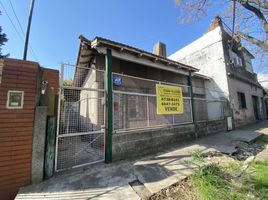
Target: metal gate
{"points": [[81, 108]]}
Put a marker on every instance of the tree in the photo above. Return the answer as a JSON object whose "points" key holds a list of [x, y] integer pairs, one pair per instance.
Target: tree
{"points": [[68, 82], [3, 40], [251, 17]]}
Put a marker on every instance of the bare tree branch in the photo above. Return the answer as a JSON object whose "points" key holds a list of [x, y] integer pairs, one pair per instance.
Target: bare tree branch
{"points": [[257, 12], [260, 3], [253, 40], [201, 6], [251, 19]]}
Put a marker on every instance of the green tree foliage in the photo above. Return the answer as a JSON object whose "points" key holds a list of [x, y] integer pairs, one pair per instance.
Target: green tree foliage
{"points": [[68, 82]]}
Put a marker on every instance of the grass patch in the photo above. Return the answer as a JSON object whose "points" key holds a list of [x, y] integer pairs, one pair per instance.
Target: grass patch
{"points": [[264, 139], [233, 168], [259, 178], [198, 158], [212, 182]]}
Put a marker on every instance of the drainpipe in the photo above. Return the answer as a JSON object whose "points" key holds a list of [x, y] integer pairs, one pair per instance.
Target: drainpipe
{"points": [[190, 83], [109, 106]]}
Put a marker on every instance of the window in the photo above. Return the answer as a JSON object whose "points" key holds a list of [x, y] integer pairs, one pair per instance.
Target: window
{"points": [[247, 59], [241, 100], [238, 61], [15, 99], [249, 66], [235, 58]]}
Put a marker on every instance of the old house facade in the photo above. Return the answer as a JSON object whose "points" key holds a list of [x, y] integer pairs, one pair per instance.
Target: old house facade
{"points": [[229, 64], [109, 104]]}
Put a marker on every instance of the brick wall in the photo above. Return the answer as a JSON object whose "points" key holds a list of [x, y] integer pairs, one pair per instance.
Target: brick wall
{"points": [[16, 126], [51, 76]]}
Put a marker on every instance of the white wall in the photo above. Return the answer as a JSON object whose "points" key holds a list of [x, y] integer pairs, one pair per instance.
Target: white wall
{"points": [[90, 112], [206, 54]]}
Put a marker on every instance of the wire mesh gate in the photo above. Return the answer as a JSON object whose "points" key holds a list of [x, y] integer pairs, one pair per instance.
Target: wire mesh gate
{"points": [[80, 132]]}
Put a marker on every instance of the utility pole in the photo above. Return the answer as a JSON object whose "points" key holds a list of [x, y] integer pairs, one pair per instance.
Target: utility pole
{"points": [[28, 30]]}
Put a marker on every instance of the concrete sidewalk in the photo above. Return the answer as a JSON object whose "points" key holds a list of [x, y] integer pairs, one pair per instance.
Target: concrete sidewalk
{"points": [[137, 178]]}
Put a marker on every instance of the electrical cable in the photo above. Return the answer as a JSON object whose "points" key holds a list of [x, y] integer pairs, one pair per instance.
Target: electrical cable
{"points": [[15, 28], [14, 12]]}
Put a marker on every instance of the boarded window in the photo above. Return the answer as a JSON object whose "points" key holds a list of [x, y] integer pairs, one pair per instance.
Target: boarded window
{"points": [[241, 100]]}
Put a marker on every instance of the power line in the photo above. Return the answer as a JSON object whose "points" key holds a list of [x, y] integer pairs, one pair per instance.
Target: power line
{"points": [[11, 5], [14, 12], [11, 20], [15, 28]]}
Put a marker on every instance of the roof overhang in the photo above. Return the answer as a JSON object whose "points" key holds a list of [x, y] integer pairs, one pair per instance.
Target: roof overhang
{"points": [[85, 55], [202, 76], [128, 53], [88, 48]]}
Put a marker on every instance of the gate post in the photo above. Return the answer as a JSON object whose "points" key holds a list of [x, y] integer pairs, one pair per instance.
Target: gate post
{"points": [[109, 106]]}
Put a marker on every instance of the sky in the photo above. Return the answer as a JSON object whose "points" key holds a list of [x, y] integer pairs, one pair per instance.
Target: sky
{"points": [[56, 26]]}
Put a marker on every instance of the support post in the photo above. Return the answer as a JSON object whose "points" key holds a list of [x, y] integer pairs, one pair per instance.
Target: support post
{"points": [[190, 83], [39, 141], [109, 107]]}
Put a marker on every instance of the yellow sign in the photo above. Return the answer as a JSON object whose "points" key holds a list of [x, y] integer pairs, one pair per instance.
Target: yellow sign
{"points": [[169, 99]]}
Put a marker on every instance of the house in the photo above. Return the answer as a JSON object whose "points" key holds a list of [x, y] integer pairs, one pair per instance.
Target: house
{"points": [[111, 106], [229, 64], [24, 86], [263, 80]]}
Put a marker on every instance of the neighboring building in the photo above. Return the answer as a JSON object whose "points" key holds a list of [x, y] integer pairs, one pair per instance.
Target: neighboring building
{"points": [[136, 126], [263, 80], [229, 64], [21, 83]]}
